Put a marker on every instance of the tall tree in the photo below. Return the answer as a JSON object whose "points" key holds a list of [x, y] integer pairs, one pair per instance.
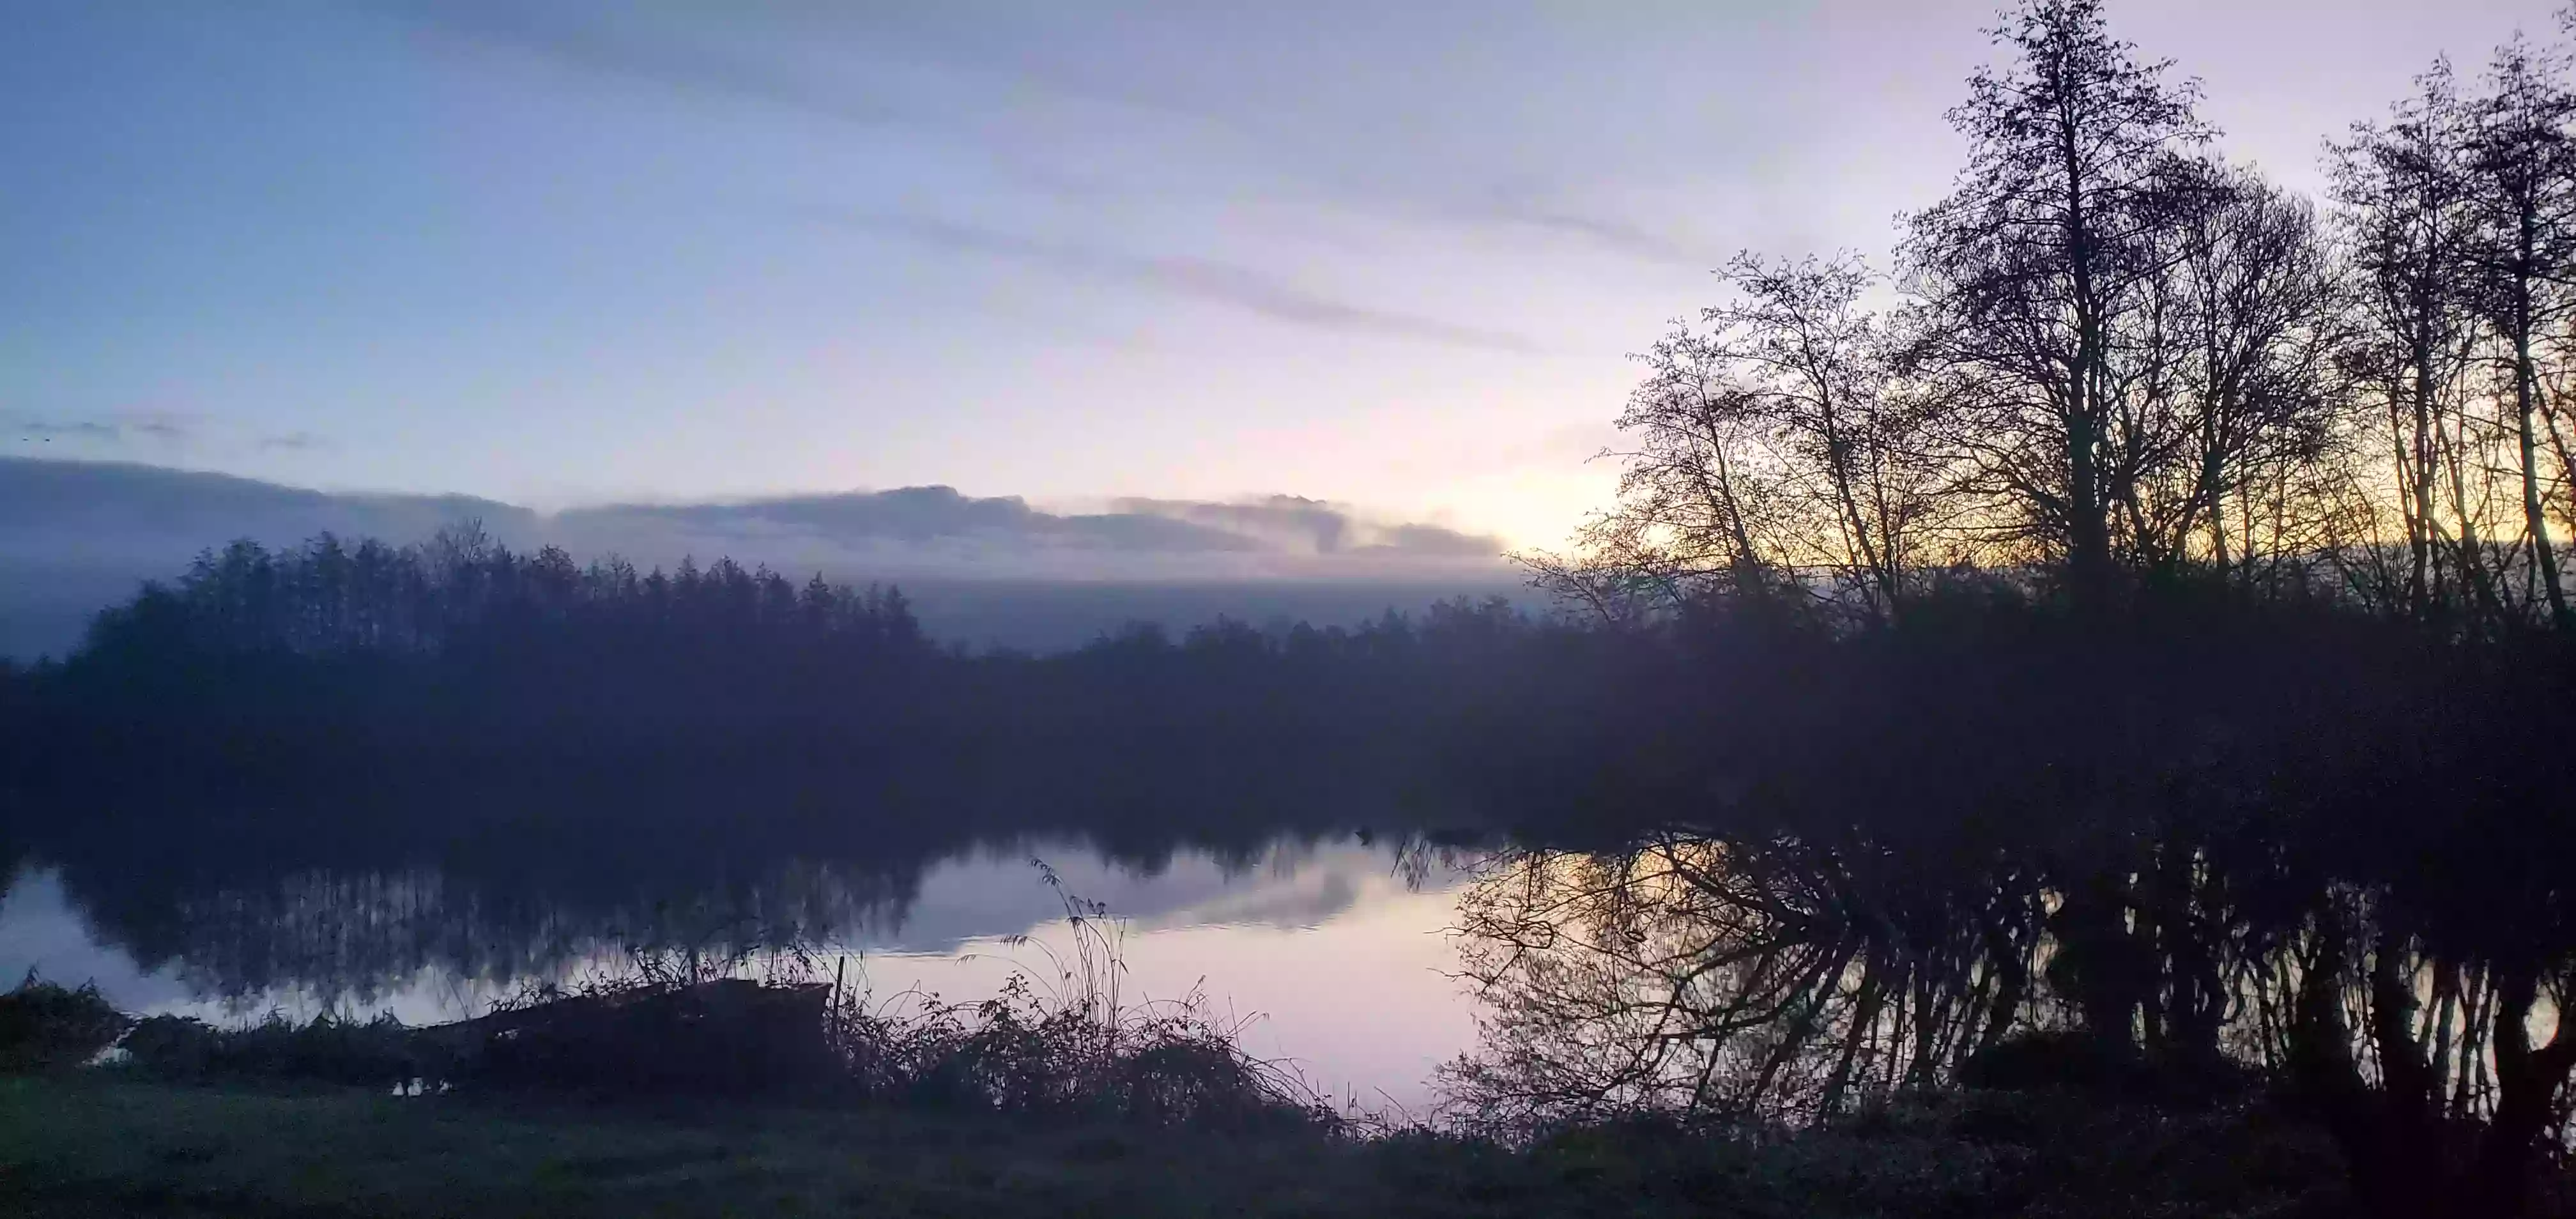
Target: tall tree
{"points": [[1696, 509], [1810, 364], [2520, 254], [2254, 327], [2402, 201], [1774, 448], [2033, 273]]}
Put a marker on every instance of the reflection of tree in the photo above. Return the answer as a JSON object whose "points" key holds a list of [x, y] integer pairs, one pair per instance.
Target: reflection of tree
{"points": [[1692, 974], [239, 917], [349, 935], [2366, 907]]}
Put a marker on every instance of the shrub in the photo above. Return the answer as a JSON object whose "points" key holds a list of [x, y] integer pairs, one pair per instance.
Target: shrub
{"points": [[379, 1053], [44, 1026]]}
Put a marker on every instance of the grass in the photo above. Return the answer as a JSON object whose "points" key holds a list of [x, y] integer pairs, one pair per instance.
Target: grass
{"points": [[97, 1143], [106, 1143]]}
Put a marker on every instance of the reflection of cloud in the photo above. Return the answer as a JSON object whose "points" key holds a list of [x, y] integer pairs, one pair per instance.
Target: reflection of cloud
{"points": [[990, 892], [1297, 903], [1204, 279]]}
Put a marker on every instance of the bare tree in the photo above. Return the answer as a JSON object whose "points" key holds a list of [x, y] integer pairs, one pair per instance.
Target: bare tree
{"points": [[2520, 255], [2402, 199], [2035, 274], [1811, 364], [1773, 446], [2257, 328], [1698, 509]]}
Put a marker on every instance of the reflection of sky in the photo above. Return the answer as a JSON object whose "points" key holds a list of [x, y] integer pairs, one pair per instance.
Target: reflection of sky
{"points": [[40, 933], [1333, 961]]}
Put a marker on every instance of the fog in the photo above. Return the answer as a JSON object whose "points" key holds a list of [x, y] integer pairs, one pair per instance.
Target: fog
{"points": [[985, 571]]}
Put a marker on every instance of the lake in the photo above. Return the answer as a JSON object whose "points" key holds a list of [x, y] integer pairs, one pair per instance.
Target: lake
{"points": [[1331, 948]]}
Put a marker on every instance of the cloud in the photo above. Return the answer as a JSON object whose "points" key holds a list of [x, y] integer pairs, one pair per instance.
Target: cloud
{"points": [[102, 509], [1436, 541], [41, 430], [1316, 527], [1199, 278], [924, 73], [1633, 240], [940, 531], [616, 49], [616, 46], [156, 429], [75, 535], [114, 429], [922, 522], [75, 508], [1002, 88]]}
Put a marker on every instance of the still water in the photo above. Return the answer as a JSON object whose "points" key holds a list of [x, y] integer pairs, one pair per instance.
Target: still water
{"points": [[1332, 951]]}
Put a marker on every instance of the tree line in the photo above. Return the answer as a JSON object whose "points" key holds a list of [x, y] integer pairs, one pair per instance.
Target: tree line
{"points": [[329, 597], [460, 663]]}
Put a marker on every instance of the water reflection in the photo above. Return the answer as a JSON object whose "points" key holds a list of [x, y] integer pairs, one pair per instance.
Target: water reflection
{"points": [[1335, 943], [1739, 974]]}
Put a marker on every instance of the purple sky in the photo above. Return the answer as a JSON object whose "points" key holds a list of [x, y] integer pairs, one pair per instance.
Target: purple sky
{"points": [[1382, 254]]}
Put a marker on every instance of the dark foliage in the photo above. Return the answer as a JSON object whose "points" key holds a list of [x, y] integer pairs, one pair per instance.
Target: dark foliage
{"points": [[461, 665], [46, 1025], [379, 1053]]}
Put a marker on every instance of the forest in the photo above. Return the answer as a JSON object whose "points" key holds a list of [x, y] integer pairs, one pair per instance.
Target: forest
{"points": [[2122, 641], [333, 636]]}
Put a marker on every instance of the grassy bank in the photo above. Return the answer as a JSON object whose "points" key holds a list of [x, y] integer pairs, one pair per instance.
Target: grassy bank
{"points": [[101, 1143], [97, 1144]]}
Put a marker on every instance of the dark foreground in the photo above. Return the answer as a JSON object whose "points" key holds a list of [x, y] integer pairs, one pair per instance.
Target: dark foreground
{"points": [[91, 1143]]}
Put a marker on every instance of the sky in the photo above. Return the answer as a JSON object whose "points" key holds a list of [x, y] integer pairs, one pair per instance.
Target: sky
{"points": [[1380, 254]]}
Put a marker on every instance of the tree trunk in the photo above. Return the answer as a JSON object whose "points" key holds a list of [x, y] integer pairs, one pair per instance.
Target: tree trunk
{"points": [[2525, 390]]}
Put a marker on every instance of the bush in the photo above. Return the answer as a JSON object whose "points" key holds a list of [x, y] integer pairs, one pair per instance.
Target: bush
{"points": [[1078, 1057], [44, 1026], [378, 1053], [720, 1037]]}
